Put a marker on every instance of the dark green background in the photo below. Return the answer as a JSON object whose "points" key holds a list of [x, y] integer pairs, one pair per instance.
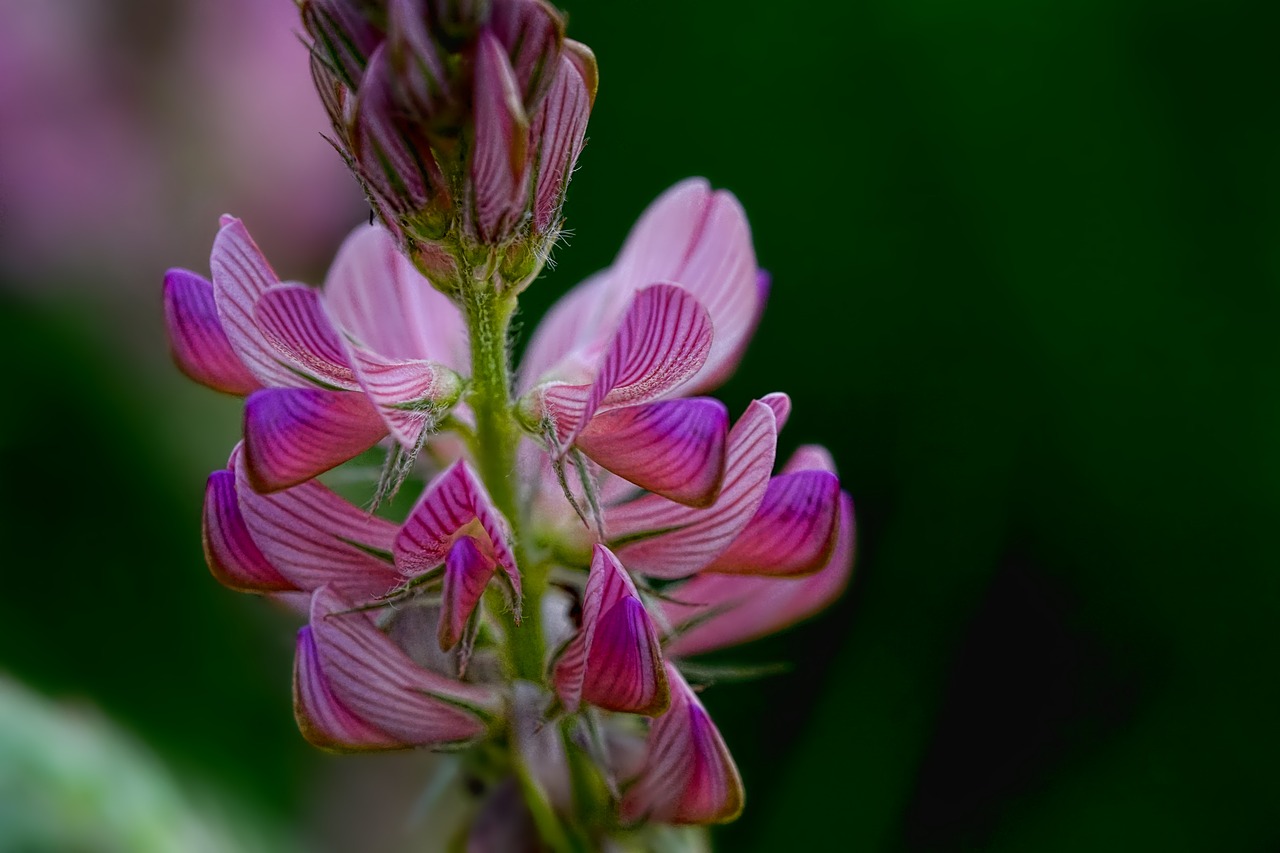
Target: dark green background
{"points": [[1026, 288]]}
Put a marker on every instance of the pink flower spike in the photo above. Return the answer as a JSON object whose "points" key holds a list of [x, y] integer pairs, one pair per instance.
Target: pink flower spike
{"points": [[455, 504], [233, 557], [380, 684], [293, 434], [689, 775], [312, 538], [663, 539], [615, 661], [323, 720], [674, 448], [199, 345], [498, 187], [467, 570], [793, 531], [725, 610], [294, 320]]}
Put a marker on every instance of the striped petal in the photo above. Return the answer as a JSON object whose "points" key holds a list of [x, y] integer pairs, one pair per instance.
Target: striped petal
{"points": [[467, 570], [199, 345], [380, 684], [410, 396], [233, 557], [455, 500], [241, 275], [674, 448], [657, 537], [294, 434], [294, 320], [499, 178], [793, 531], [717, 611], [781, 405], [323, 720], [558, 129], [313, 537], [689, 775], [615, 661]]}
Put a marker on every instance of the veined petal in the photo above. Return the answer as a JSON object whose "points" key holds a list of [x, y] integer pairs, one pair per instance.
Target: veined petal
{"points": [[531, 34], [294, 320], [313, 537], [373, 678], [725, 610], [793, 531], [781, 405], [499, 177], [376, 295], [241, 275], [615, 661], [323, 720], [467, 570], [689, 775], [233, 557], [674, 448], [565, 329], [293, 434], [453, 501], [410, 396], [657, 537], [558, 130], [199, 345]]}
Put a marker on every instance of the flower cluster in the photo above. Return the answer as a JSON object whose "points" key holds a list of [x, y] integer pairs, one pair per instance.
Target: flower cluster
{"points": [[582, 529]]}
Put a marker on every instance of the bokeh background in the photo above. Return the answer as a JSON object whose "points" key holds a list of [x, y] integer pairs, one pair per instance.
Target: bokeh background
{"points": [[1026, 262]]}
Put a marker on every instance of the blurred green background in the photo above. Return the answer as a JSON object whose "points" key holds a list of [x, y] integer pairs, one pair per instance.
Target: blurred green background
{"points": [[1026, 262]]}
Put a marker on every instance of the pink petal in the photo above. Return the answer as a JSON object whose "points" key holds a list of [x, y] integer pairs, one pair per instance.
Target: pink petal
{"points": [[404, 179], [558, 130], [737, 609], [293, 434], [689, 775], [374, 293], [410, 396], [415, 57], [467, 570], [294, 320], [240, 276], [674, 448], [499, 179], [323, 720], [377, 682], [793, 531], [531, 34], [615, 661], [313, 537], [451, 502], [199, 346], [568, 326], [781, 405], [668, 540], [233, 557]]}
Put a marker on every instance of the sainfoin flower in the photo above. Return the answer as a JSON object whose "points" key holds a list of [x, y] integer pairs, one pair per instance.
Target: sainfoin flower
{"points": [[579, 533]]}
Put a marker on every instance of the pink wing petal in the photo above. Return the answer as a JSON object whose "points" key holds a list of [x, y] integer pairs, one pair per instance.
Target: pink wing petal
{"points": [[793, 531], [294, 320], [467, 570], [615, 661], [499, 177], [313, 537], [674, 448], [668, 540], [689, 775], [199, 345], [323, 720], [233, 557], [737, 609], [454, 500], [781, 405], [293, 434], [410, 396], [240, 276], [378, 682]]}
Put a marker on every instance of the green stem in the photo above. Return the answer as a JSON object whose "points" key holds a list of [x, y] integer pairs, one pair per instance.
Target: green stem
{"points": [[497, 437]]}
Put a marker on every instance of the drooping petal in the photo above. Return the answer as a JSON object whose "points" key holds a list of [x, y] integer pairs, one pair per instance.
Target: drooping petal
{"points": [[689, 775], [294, 434], [410, 396], [294, 320], [467, 570], [233, 557], [674, 448], [663, 339], [453, 501], [714, 611], [380, 684], [558, 130], [376, 295], [241, 275], [199, 345], [313, 537], [660, 538], [323, 720], [792, 532], [499, 177], [615, 661]]}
